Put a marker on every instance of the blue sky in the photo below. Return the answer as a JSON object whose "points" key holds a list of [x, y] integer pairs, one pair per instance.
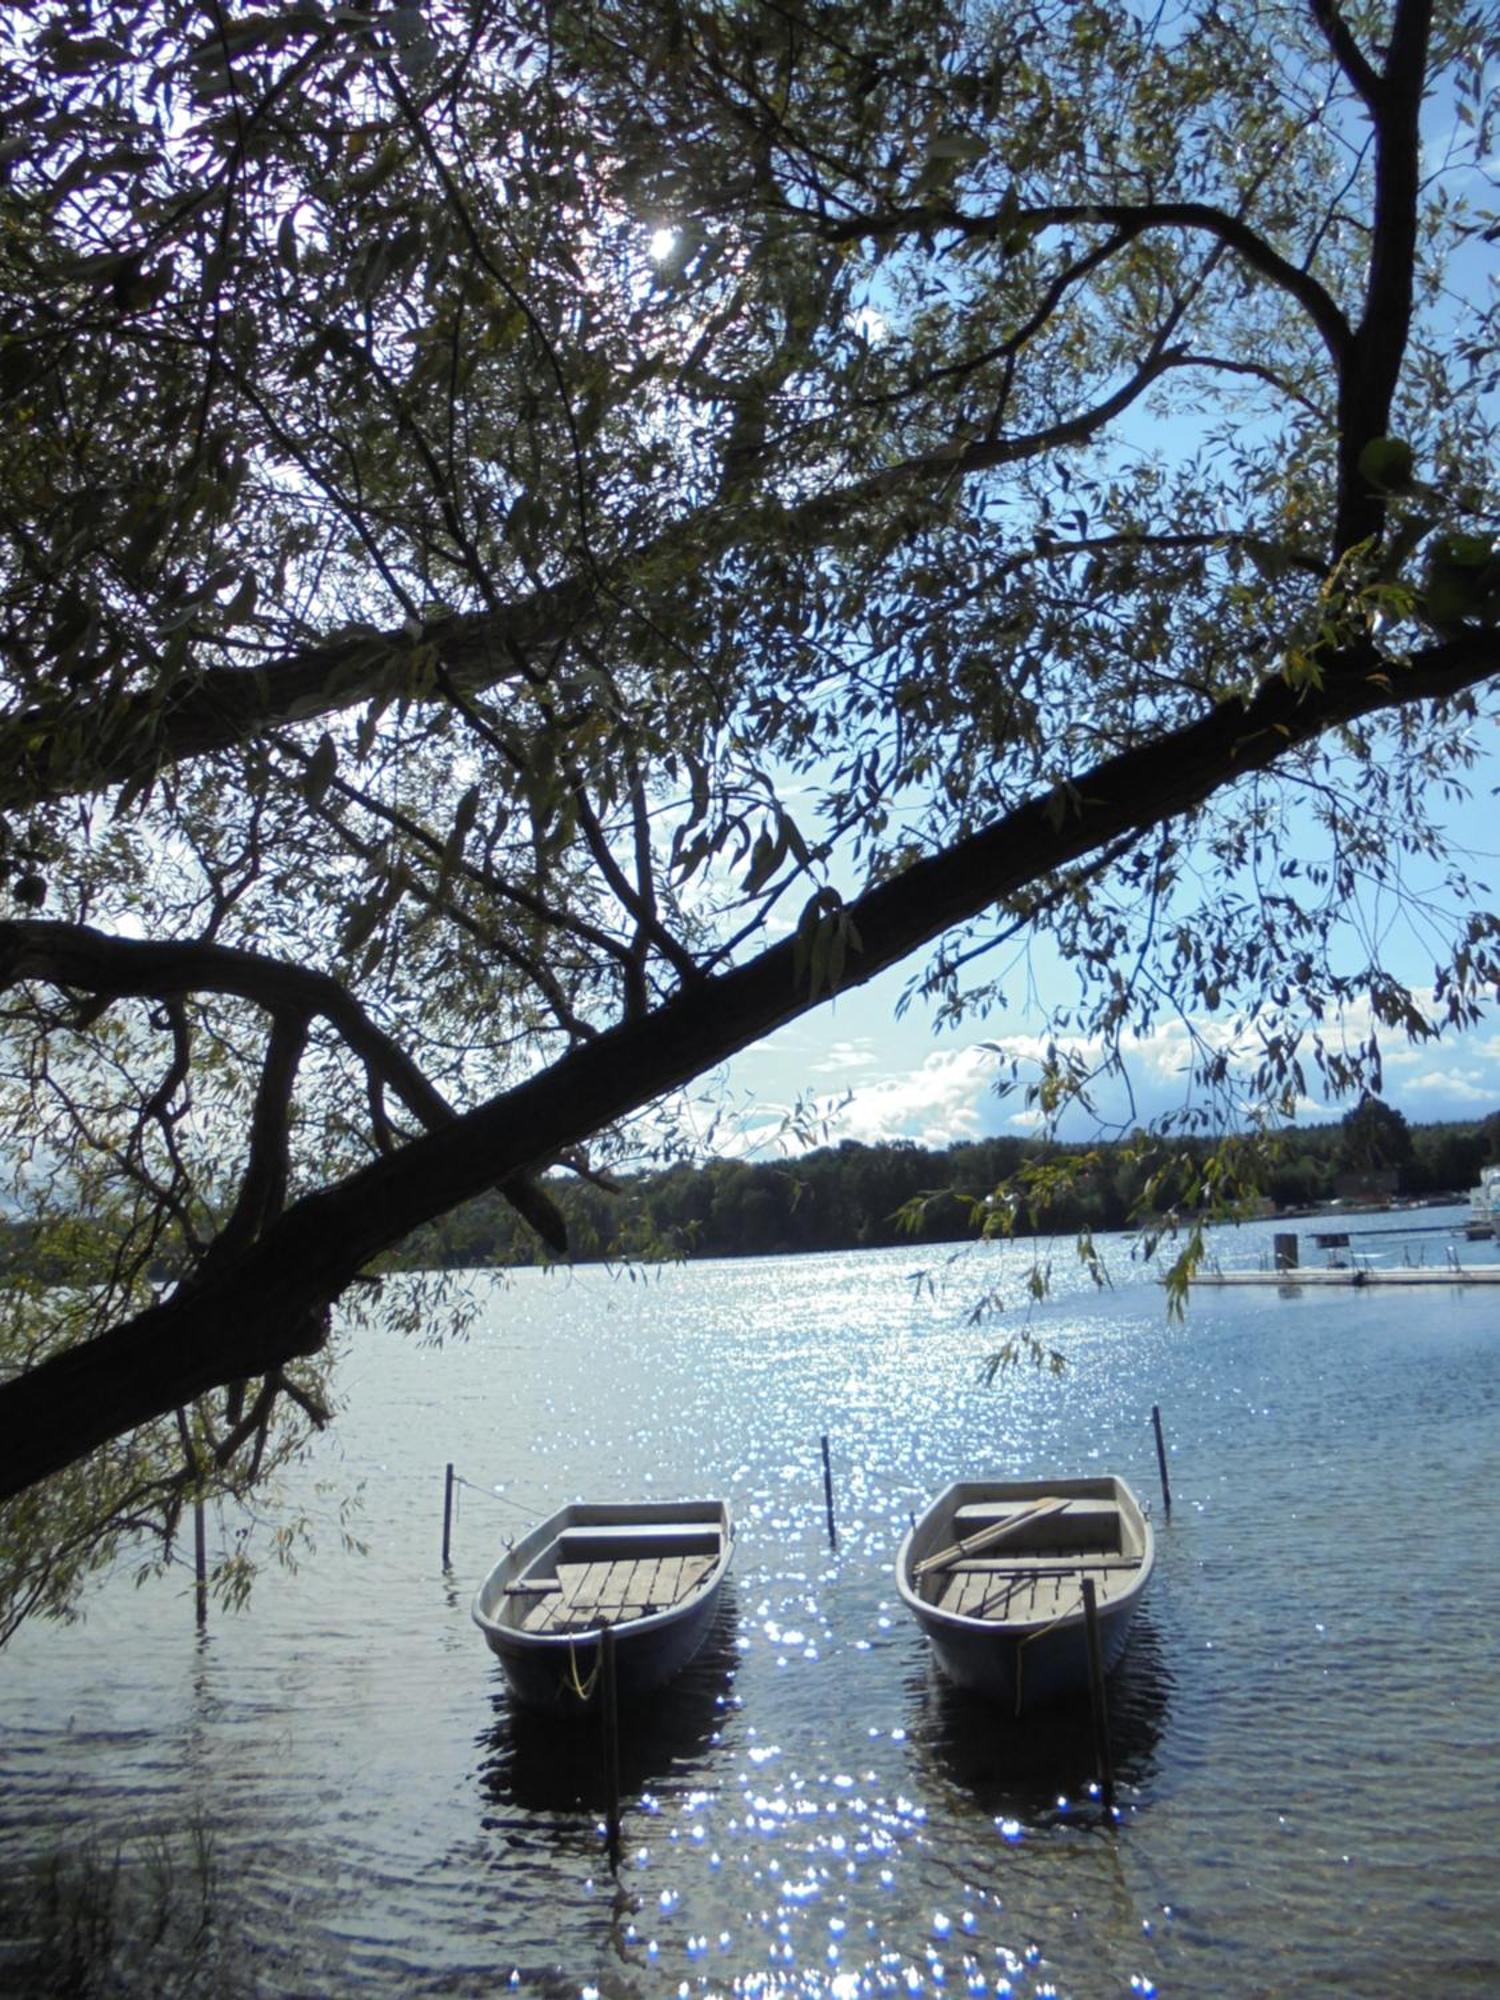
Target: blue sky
{"points": [[873, 1076], [877, 1078]]}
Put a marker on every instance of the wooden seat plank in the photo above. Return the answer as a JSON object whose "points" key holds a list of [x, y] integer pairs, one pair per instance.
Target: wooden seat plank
{"points": [[582, 1583], [1031, 1515], [613, 1589], [694, 1569], [636, 1583], [1060, 1565], [585, 1595], [640, 1535], [980, 1514], [996, 1599], [540, 1614]]}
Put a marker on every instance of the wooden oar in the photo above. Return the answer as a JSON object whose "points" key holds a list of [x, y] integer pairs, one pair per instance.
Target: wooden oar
{"points": [[985, 1538]]}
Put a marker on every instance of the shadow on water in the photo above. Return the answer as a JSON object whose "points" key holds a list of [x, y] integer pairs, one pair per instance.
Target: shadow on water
{"points": [[554, 1766], [1023, 1768]]}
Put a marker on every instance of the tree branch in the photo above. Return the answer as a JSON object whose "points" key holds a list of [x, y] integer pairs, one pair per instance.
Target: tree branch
{"points": [[1129, 220], [1347, 52], [272, 1303], [263, 1185], [82, 959], [1369, 374], [969, 455], [214, 708]]}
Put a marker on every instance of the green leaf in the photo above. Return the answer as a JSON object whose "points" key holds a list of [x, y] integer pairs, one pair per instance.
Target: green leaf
{"points": [[320, 769], [1386, 463], [362, 922], [465, 811], [463, 820], [1463, 551], [242, 604], [765, 858], [958, 146], [1272, 562], [76, 58]]}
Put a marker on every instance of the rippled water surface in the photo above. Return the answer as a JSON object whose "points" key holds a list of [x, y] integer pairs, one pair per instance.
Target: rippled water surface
{"points": [[1306, 1722]]}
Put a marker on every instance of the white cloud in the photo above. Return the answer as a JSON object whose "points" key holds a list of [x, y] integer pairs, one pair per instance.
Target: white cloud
{"points": [[1461, 1086], [938, 1103], [878, 1077], [1427, 1081], [846, 1055]]}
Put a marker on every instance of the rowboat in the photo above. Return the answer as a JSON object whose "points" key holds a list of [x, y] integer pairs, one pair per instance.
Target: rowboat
{"points": [[993, 1572], [650, 1570]]}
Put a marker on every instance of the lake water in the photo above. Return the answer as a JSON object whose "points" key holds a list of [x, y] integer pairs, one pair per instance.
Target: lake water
{"points": [[1306, 1723]]}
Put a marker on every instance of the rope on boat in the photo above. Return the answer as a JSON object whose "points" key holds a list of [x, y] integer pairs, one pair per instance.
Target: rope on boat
{"points": [[584, 1689]]}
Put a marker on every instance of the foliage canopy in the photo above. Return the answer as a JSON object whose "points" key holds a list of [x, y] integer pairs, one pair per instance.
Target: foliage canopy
{"points": [[469, 468]]}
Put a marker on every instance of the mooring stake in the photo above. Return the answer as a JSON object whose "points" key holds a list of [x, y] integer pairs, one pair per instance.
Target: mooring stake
{"points": [[833, 1533], [447, 1515], [609, 1697], [1161, 1459], [1097, 1698], [200, 1564]]}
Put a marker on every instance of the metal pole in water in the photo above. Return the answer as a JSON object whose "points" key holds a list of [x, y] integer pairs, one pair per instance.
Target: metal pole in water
{"points": [[1097, 1697], [609, 1698], [447, 1515], [833, 1533], [1161, 1460], [200, 1564]]}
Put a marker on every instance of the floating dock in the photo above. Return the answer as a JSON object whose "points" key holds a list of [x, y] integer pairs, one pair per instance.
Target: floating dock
{"points": [[1301, 1278], [1343, 1267]]}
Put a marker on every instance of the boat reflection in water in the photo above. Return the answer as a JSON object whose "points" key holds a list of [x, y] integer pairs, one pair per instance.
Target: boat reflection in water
{"points": [[535, 1763], [1035, 1769]]}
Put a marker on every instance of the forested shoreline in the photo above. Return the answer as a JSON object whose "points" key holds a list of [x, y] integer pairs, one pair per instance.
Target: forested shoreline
{"points": [[857, 1196]]}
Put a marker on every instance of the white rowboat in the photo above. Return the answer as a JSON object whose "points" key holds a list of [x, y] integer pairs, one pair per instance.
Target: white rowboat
{"points": [[652, 1570], [993, 1572]]}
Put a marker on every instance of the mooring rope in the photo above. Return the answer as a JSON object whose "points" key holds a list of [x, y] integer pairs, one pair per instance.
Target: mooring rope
{"points": [[501, 1499], [584, 1691]]}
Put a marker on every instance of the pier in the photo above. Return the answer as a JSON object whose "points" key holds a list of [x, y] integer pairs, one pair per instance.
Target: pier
{"points": [[1344, 1266], [1321, 1277]]}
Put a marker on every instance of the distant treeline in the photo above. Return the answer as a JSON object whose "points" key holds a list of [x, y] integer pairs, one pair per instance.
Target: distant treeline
{"points": [[854, 1196]]}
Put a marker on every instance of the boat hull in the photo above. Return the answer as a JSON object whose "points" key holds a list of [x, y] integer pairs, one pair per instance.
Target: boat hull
{"points": [[559, 1677], [1027, 1661], [1024, 1670], [556, 1671]]}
